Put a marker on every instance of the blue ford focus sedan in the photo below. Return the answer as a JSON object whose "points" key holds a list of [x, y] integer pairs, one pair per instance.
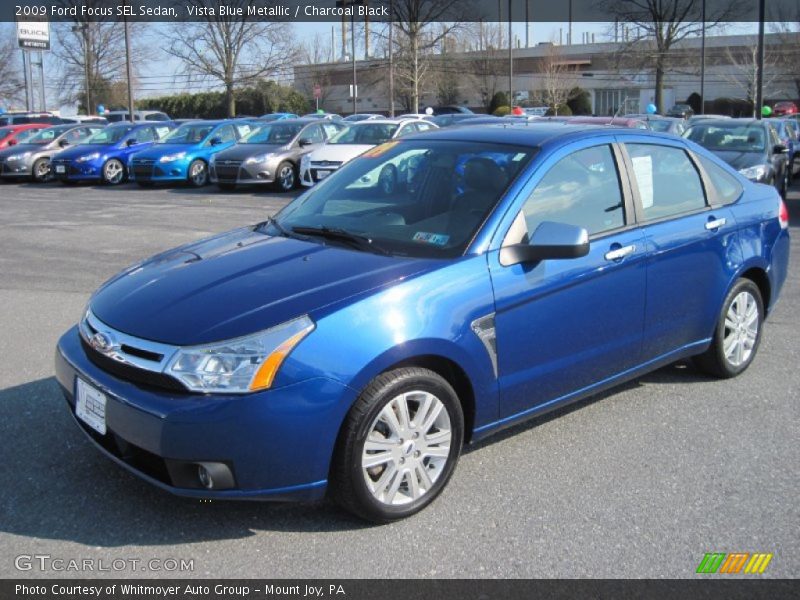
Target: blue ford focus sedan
{"points": [[353, 343], [104, 156], [183, 155]]}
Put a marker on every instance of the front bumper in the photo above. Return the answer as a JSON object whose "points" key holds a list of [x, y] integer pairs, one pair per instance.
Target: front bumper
{"points": [[241, 173], [76, 171], [16, 168], [278, 443], [153, 170]]}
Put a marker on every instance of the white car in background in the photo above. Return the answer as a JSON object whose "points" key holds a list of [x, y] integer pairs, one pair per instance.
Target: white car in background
{"points": [[353, 141]]}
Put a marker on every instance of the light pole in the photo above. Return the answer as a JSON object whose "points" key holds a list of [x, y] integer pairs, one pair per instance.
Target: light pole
{"points": [[760, 67], [703, 62], [84, 29], [353, 4], [510, 61], [391, 59], [128, 70]]}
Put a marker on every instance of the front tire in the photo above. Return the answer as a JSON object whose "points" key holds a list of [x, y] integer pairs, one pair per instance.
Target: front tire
{"points": [[41, 170], [198, 173], [738, 332], [398, 446], [113, 172], [285, 177]]}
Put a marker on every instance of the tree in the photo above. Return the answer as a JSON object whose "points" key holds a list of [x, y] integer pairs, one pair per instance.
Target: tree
{"points": [[743, 72], [232, 51], [420, 27], [11, 83], [95, 47], [318, 55], [488, 67], [580, 102], [498, 99], [558, 79], [655, 27], [786, 23]]}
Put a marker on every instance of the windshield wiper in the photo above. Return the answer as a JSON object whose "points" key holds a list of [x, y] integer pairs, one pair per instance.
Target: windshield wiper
{"points": [[281, 229], [356, 240]]}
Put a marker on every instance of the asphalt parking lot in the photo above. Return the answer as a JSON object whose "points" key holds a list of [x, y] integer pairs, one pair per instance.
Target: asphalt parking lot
{"points": [[640, 482]]}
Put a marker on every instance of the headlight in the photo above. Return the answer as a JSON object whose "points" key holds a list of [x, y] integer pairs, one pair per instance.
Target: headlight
{"points": [[305, 161], [245, 364], [172, 157], [754, 173], [92, 156], [14, 157], [259, 158]]}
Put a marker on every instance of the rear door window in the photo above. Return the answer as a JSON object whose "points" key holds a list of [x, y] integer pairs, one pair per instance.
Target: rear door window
{"points": [[667, 180]]}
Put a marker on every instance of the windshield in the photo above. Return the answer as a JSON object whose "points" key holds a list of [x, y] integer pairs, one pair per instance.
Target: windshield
{"points": [[45, 136], [735, 137], [188, 133], [108, 136], [274, 133], [659, 125], [366, 133], [423, 198]]}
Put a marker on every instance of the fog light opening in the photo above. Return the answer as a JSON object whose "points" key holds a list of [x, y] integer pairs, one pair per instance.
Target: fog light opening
{"points": [[205, 477]]}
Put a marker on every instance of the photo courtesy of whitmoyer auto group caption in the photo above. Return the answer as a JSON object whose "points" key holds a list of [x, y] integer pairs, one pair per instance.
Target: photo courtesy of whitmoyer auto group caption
{"points": [[399, 299]]}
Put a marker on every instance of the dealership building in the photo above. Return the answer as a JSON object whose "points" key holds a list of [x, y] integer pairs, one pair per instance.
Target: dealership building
{"points": [[616, 75]]}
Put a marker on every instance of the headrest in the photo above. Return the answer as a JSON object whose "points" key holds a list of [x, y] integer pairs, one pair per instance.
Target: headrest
{"points": [[484, 174]]}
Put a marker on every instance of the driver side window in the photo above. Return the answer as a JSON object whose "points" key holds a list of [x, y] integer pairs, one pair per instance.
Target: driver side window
{"points": [[581, 189]]}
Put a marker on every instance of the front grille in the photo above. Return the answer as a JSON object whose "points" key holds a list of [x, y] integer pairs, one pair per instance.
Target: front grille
{"points": [[326, 164], [228, 170], [130, 373], [133, 359], [142, 168]]}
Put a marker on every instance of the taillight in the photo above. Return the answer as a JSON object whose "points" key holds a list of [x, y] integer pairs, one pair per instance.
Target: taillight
{"points": [[783, 215]]}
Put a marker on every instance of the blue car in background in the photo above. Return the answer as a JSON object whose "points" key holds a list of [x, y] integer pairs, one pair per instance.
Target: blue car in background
{"points": [[104, 156], [278, 116], [789, 136], [354, 342], [183, 155]]}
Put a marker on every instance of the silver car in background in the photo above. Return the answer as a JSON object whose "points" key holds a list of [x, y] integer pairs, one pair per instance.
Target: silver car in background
{"points": [[270, 154], [31, 160]]}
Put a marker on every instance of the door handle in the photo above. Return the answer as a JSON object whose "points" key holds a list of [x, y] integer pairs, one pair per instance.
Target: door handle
{"points": [[620, 253], [715, 224]]}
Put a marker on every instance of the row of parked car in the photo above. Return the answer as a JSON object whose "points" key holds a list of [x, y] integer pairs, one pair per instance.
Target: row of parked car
{"points": [[284, 150]]}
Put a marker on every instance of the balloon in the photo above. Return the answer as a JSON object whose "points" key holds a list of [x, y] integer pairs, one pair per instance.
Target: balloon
{"points": [[517, 111], [320, 111], [100, 109], [651, 109], [766, 111], [2, 110], [429, 111]]}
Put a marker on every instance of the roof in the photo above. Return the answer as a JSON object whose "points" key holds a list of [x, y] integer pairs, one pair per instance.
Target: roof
{"points": [[523, 134]]}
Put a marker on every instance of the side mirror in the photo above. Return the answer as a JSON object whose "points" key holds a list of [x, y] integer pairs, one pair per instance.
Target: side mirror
{"points": [[304, 142], [549, 241], [779, 149], [63, 143], [131, 142], [215, 141], [12, 142]]}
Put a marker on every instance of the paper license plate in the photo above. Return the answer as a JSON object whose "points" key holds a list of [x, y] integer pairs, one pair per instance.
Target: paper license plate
{"points": [[90, 406], [322, 174]]}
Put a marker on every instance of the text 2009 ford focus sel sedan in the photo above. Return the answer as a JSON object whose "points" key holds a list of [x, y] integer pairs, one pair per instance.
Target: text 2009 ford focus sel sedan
{"points": [[354, 342]]}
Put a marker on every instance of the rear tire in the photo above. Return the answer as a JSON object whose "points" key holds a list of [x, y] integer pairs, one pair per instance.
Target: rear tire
{"points": [[738, 332], [413, 423]]}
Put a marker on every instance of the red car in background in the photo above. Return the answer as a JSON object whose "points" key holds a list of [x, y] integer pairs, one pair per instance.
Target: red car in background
{"points": [[784, 108], [10, 135]]}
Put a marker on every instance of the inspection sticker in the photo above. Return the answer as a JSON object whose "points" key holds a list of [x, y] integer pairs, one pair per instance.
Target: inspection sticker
{"points": [[437, 239]]}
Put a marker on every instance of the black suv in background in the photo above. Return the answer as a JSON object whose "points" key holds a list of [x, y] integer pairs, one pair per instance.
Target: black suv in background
{"points": [[682, 111]]}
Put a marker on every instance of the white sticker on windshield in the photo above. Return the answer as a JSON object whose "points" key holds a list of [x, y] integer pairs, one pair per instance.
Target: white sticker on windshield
{"points": [[643, 169], [437, 239]]}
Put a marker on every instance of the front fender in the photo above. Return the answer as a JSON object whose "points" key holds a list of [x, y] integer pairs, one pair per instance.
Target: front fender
{"points": [[426, 315]]}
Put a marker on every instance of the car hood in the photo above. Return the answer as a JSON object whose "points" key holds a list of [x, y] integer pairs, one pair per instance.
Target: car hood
{"points": [[84, 149], [243, 151], [20, 148], [238, 283], [742, 160], [339, 152], [159, 150]]}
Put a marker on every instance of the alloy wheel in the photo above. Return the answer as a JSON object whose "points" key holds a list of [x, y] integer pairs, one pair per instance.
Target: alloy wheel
{"points": [[114, 172], [197, 173], [286, 177], [407, 448], [741, 329]]}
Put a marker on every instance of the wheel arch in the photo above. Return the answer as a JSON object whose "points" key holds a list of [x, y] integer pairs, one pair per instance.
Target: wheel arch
{"points": [[759, 276]]}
